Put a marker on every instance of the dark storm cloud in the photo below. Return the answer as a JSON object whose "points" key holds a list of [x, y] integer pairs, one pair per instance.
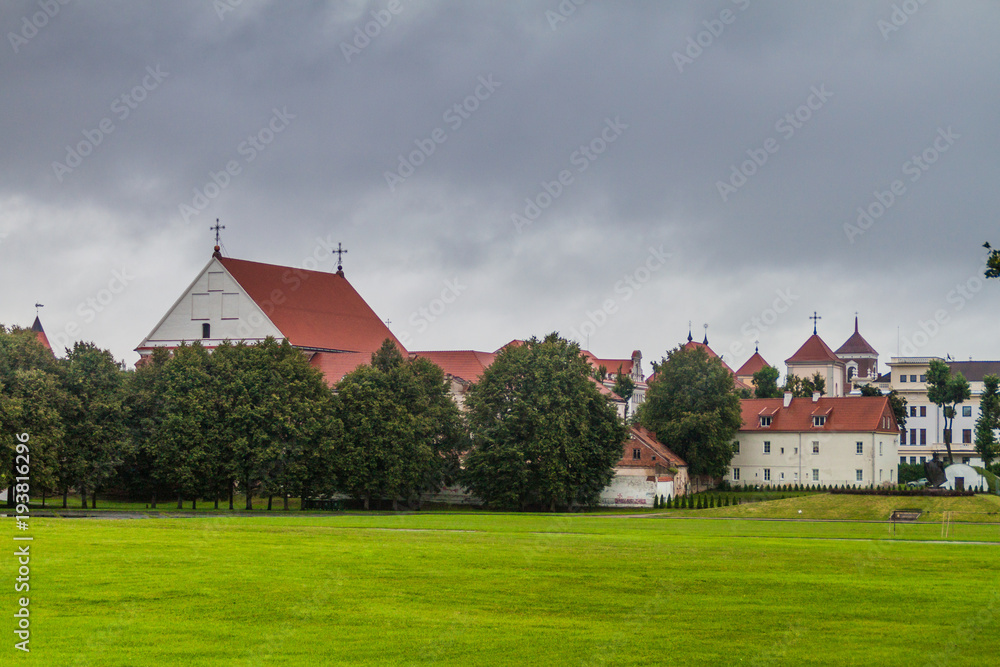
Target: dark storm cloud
{"points": [[284, 119]]}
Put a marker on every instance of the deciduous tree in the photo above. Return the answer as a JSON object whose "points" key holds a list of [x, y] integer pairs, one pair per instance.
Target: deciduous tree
{"points": [[946, 391], [542, 433], [765, 383], [989, 420], [693, 408]]}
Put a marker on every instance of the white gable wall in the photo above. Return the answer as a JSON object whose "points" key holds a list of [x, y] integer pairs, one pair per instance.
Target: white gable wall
{"points": [[217, 299]]}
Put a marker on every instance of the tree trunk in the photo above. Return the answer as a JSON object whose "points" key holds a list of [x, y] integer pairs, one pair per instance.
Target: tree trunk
{"points": [[286, 502], [93, 499], [194, 503], [153, 503], [367, 502], [216, 500], [249, 495], [180, 500], [83, 497], [552, 505], [232, 484], [10, 494], [947, 438], [65, 496], [270, 497], [43, 497]]}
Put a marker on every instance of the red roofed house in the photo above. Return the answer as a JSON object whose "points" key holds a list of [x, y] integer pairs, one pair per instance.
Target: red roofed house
{"points": [[647, 469], [462, 368], [816, 441], [693, 345], [631, 367], [233, 299], [815, 356]]}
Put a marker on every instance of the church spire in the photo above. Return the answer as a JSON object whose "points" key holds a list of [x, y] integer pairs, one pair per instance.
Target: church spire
{"points": [[855, 321], [690, 337], [705, 342]]}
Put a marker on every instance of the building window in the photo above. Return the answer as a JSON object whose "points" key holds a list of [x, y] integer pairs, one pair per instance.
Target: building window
{"points": [[913, 460], [767, 474], [923, 410], [880, 448], [913, 378], [923, 378], [819, 420], [767, 447], [860, 447], [736, 447], [913, 436], [966, 435], [765, 421], [966, 410], [781, 476], [923, 459], [913, 411], [902, 459], [966, 459], [636, 454], [815, 474], [923, 436], [902, 378], [206, 330], [736, 474], [815, 446], [859, 475], [902, 437]]}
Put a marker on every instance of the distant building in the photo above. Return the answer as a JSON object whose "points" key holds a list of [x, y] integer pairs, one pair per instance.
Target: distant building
{"points": [[751, 366], [647, 469], [815, 356], [860, 360], [816, 441], [924, 432], [40, 334]]}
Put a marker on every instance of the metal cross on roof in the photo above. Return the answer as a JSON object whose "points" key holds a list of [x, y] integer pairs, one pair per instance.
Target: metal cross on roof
{"points": [[217, 227], [815, 318], [340, 252]]}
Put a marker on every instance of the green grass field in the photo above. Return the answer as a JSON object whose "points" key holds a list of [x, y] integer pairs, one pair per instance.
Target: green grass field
{"points": [[477, 588]]}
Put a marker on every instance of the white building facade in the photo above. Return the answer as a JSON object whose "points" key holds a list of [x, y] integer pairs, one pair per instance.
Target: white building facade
{"points": [[816, 441]]}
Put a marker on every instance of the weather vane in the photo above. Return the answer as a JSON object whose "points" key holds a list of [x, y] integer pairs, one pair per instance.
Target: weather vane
{"points": [[37, 306]]}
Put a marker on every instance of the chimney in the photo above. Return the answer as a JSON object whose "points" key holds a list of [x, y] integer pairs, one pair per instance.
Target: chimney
{"points": [[788, 398], [815, 396]]}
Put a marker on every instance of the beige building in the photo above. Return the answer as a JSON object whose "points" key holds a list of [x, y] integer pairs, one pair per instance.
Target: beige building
{"points": [[816, 441]]}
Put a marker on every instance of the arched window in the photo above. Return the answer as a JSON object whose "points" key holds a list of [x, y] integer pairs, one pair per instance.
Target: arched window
{"points": [[206, 330]]}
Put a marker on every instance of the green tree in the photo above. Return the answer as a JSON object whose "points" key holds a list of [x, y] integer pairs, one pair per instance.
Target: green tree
{"points": [[143, 403], [542, 433], [765, 383], [624, 387], [946, 391], [94, 416], [896, 402], [805, 387], [31, 401], [992, 262], [989, 420], [693, 408], [401, 430]]}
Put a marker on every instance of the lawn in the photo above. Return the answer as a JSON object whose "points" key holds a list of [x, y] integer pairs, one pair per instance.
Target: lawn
{"points": [[478, 588]]}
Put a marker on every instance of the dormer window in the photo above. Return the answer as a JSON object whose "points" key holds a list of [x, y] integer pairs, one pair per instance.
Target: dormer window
{"points": [[765, 421], [819, 420]]}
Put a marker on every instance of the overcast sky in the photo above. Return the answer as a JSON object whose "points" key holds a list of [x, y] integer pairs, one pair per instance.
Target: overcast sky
{"points": [[612, 170]]}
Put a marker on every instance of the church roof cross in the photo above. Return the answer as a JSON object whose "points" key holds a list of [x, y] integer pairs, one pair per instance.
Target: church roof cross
{"points": [[815, 318], [217, 227], [340, 252]]}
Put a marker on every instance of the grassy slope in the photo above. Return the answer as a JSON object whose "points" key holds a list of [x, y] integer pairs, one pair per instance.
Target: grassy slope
{"points": [[501, 589]]}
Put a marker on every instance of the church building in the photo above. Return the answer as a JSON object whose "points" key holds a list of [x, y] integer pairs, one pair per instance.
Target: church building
{"points": [[318, 312]]}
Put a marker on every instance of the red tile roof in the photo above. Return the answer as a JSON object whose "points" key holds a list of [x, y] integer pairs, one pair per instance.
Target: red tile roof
{"points": [[335, 365], [646, 440], [856, 344], [814, 349], [739, 384], [752, 365], [846, 414], [465, 365], [40, 334], [312, 309], [612, 365]]}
